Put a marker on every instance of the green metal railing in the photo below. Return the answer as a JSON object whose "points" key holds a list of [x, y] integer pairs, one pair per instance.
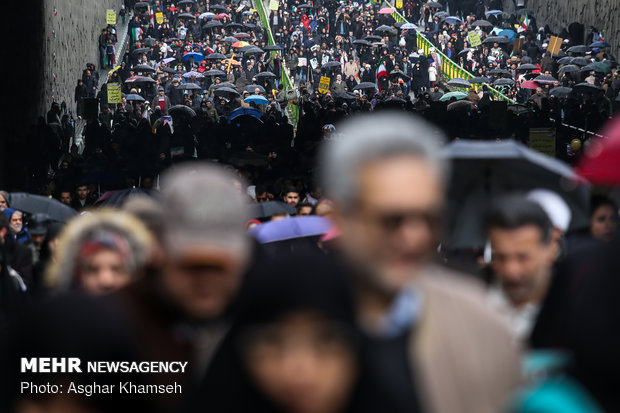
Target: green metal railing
{"points": [[284, 78], [449, 69]]}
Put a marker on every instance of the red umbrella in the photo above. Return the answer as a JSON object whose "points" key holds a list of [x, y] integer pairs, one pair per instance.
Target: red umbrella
{"points": [[387, 10], [599, 165], [530, 84]]}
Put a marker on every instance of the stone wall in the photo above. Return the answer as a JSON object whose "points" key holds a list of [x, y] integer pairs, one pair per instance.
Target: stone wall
{"points": [[72, 29], [602, 14]]}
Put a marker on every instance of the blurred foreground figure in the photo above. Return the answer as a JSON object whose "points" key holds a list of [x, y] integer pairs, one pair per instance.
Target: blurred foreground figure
{"points": [[431, 343], [525, 246], [292, 346], [99, 253]]}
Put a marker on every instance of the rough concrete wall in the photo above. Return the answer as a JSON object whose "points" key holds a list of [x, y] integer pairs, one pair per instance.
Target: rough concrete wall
{"points": [[558, 14], [71, 32]]}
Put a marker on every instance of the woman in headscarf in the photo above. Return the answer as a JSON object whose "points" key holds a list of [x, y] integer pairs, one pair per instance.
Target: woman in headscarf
{"points": [[99, 253], [292, 346]]}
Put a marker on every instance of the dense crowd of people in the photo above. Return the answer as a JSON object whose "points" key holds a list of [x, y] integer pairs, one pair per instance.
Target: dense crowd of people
{"points": [[295, 247]]}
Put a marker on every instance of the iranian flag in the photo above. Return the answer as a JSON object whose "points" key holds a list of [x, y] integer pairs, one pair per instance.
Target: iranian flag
{"points": [[525, 23], [381, 72]]}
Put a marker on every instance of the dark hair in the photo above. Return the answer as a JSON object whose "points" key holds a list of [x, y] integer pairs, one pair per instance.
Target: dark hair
{"points": [[290, 189], [598, 201], [515, 211]]}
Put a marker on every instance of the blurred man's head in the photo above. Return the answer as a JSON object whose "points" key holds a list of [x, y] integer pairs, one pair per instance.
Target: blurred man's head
{"points": [[386, 178], [291, 196], [206, 245], [524, 248]]}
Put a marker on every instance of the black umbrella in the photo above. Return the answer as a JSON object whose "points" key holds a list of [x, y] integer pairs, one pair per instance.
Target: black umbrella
{"points": [[241, 35], [185, 3], [482, 23], [188, 86], [267, 75], [252, 88], [141, 79], [566, 60], [496, 39], [500, 72], [372, 37], [116, 199], [434, 5], [215, 56], [580, 61], [330, 65], [545, 79], [235, 26], [186, 16], [230, 39], [143, 68], [361, 42], [383, 28], [141, 50], [33, 204], [458, 82], [585, 87], [214, 72], [224, 84], [141, 5], [560, 92], [305, 6], [394, 100], [267, 209], [504, 82], [345, 96], [170, 70], [253, 50], [578, 49], [211, 24], [218, 7], [568, 69], [399, 73], [223, 91], [527, 66], [466, 50], [149, 41], [272, 47], [479, 79], [365, 86], [179, 110]]}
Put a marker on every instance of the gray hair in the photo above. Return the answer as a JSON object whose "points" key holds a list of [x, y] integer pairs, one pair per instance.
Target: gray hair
{"points": [[372, 137]]}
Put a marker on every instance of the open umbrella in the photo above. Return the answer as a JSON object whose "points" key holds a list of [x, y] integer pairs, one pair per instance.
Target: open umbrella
{"points": [[568, 69], [33, 204], [188, 86], [545, 79], [599, 165], [493, 13], [330, 65], [453, 20], [527, 66], [372, 38], [141, 5], [453, 95], [503, 72], [241, 35], [253, 50], [458, 82], [257, 99], [134, 97], [305, 6], [266, 75], [140, 79], [578, 49], [225, 91], [482, 23], [170, 70], [116, 199], [290, 228], [585, 87], [599, 45], [214, 72], [434, 5], [483, 170], [599, 67], [224, 84], [215, 56], [580, 61], [240, 43], [383, 29], [185, 3], [460, 105], [207, 15], [566, 60], [530, 84], [180, 110], [198, 57], [186, 16], [218, 7], [345, 96], [503, 82], [408, 26], [243, 111], [441, 14], [142, 50], [496, 39], [387, 10], [365, 86], [211, 24], [479, 79], [519, 109], [252, 88], [401, 74], [272, 47], [230, 39], [560, 91], [189, 75], [361, 42], [267, 209]]}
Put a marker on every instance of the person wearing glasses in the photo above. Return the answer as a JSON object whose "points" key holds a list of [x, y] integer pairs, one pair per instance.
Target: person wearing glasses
{"points": [[431, 344]]}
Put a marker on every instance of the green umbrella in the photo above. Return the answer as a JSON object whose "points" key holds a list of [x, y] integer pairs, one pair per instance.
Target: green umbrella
{"points": [[600, 67], [456, 95]]}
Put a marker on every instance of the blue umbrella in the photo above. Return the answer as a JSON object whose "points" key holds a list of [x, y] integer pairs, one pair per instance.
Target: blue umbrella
{"points": [[258, 99], [244, 111], [510, 34], [290, 228], [599, 45], [453, 20], [133, 96], [493, 13], [198, 57]]}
